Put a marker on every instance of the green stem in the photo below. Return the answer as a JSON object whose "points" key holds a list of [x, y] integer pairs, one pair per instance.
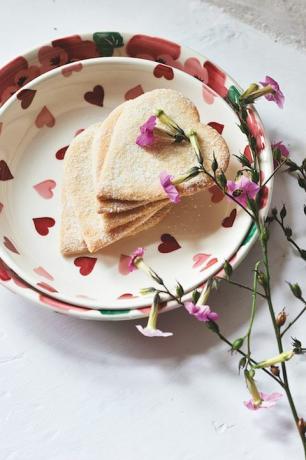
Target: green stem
{"points": [[295, 319], [253, 310], [243, 286], [277, 334], [291, 240]]}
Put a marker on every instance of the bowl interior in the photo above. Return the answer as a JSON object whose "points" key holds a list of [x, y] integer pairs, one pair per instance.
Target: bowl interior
{"points": [[37, 125]]}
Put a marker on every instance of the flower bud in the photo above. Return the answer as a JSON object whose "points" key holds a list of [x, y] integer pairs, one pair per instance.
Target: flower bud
{"points": [[146, 291], [296, 290], [242, 363], [275, 370], [237, 344], [274, 212], [228, 269], [195, 296], [281, 358], [214, 165], [281, 318], [304, 164], [179, 290], [288, 232], [283, 212], [305, 209], [222, 181], [212, 326], [262, 278], [303, 254], [301, 426]]}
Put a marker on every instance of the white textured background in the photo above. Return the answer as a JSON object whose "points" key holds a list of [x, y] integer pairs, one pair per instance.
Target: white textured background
{"points": [[73, 390]]}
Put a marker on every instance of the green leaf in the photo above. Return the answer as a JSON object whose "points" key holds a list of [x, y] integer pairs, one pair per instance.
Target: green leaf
{"points": [[106, 42], [249, 235], [233, 95]]}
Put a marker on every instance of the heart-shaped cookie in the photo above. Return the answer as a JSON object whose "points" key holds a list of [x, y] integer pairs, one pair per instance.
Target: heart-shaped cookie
{"points": [[86, 264], [45, 188], [42, 225], [95, 97], [168, 244], [140, 180]]}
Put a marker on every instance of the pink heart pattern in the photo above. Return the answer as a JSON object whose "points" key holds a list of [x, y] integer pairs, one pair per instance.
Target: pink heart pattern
{"points": [[44, 189], [45, 118]]}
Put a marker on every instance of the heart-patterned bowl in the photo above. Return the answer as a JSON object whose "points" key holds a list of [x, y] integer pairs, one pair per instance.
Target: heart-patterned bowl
{"points": [[37, 125]]}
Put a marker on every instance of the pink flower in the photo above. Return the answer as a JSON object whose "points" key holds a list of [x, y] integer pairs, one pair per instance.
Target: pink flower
{"points": [[242, 189], [282, 148], [267, 400], [277, 96], [146, 136], [138, 253], [152, 332], [201, 312], [170, 189]]}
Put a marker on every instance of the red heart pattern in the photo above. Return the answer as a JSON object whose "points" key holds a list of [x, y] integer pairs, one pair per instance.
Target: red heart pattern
{"points": [[123, 266], [199, 259], [86, 264], [60, 305], [1, 207], [211, 262], [78, 131], [4, 272], [168, 244], [133, 92], [45, 118], [5, 173], [216, 194], [26, 97], [40, 271], [46, 286], [9, 245], [162, 70], [42, 224], [67, 71], [217, 126], [263, 199], [127, 295], [44, 189], [95, 97], [229, 220], [60, 154]]}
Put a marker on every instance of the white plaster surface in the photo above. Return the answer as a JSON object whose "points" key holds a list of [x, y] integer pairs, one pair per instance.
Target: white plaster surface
{"points": [[73, 390]]}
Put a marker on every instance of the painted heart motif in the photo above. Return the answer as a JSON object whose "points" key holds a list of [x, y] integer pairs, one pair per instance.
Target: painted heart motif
{"points": [[217, 126], [9, 245], [72, 68], [123, 266], [46, 286], [168, 244], [60, 305], [264, 194], [45, 118], [4, 272], [86, 264], [5, 173], [162, 70], [216, 194], [127, 295], [45, 188], [60, 154], [42, 224], [26, 97], [19, 282], [1, 207], [40, 271], [78, 131], [95, 97], [133, 92], [228, 222], [208, 95], [211, 262], [248, 154], [199, 259]]}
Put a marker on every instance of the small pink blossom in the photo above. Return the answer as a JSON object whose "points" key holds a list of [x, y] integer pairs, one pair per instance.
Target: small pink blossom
{"points": [[201, 312], [267, 400], [152, 332], [242, 189], [170, 189], [139, 252], [277, 96], [146, 136]]}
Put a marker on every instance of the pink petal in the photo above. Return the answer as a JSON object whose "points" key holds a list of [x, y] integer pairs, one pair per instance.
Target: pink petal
{"points": [[148, 332]]}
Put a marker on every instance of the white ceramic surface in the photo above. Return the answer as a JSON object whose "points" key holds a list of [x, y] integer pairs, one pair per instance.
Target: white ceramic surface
{"points": [[197, 236]]}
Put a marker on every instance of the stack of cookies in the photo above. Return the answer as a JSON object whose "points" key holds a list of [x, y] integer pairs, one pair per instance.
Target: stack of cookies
{"points": [[111, 185]]}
